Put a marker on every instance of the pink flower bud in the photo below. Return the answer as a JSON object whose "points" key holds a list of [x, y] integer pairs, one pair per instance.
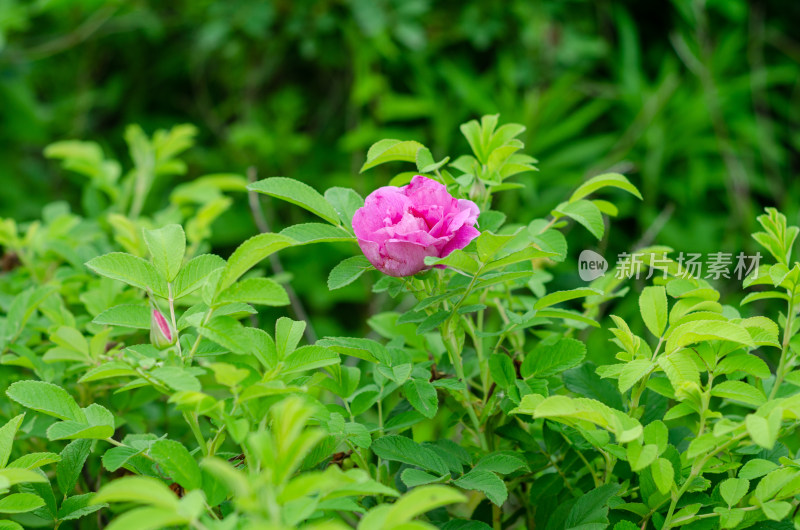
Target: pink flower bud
{"points": [[397, 228], [161, 334]]}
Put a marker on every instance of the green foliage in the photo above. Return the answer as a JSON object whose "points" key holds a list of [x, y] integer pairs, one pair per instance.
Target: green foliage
{"points": [[477, 399]]}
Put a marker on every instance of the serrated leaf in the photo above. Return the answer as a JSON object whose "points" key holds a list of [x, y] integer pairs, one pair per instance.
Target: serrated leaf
{"points": [[585, 213], [551, 357], [653, 307], [130, 269], [176, 462], [107, 370], [258, 291], [562, 296], [298, 193], [402, 449], [7, 433], [733, 490], [308, 233], [194, 274], [663, 475], [422, 396], [603, 181], [704, 330], [140, 490], [739, 391], [125, 315], [73, 457], [457, 260], [46, 398], [309, 358], [20, 503], [248, 254], [391, 151], [167, 246], [345, 201], [348, 271], [641, 456], [486, 482]]}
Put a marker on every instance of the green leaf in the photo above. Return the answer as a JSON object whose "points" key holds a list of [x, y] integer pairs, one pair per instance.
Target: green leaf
{"points": [[641, 456], [99, 425], [486, 482], [562, 296], [130, 269], [20, 503], [46, 398], [705, 330], [12, 476], [78, 506], [348, 271], [590, 511], [602, 181], [581, 412], [125, 315], [526, 254], [249, 254], [739, 391], [502, 462], [309, 358], [7, 433], [35, 460], [632, 372], [416, 502], [167, 246], [228, 333], [194, 274], [107, 370], [764, 431], [391, 151], [489, 244], [176, 462], [402, 449], [755, 468], [116, 457], [345, 201], [776, 510], [680, 368], [663, 475], [585, 213], [259, 291], [412, 477], [457, 260], [307, 233], [298, 193], [422, 396], [140, 490], [501, 368], [552, 357], [653, 307], [73, 457], [288, 333], [733, 490]]}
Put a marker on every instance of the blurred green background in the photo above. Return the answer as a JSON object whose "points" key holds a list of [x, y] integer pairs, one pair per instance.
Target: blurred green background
{"points": [[697, 102]]}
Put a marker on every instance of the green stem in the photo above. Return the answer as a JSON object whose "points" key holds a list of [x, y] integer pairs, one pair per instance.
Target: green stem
{"points": [[194, 425], [787, 334], [455, 358]]}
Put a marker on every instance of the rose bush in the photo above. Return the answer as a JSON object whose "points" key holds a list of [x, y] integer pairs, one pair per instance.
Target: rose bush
{"points": [[471, 403]]}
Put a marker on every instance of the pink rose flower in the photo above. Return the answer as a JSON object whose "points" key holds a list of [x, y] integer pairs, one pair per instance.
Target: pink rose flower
{"points": [[161, 335], [398, 227]]}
